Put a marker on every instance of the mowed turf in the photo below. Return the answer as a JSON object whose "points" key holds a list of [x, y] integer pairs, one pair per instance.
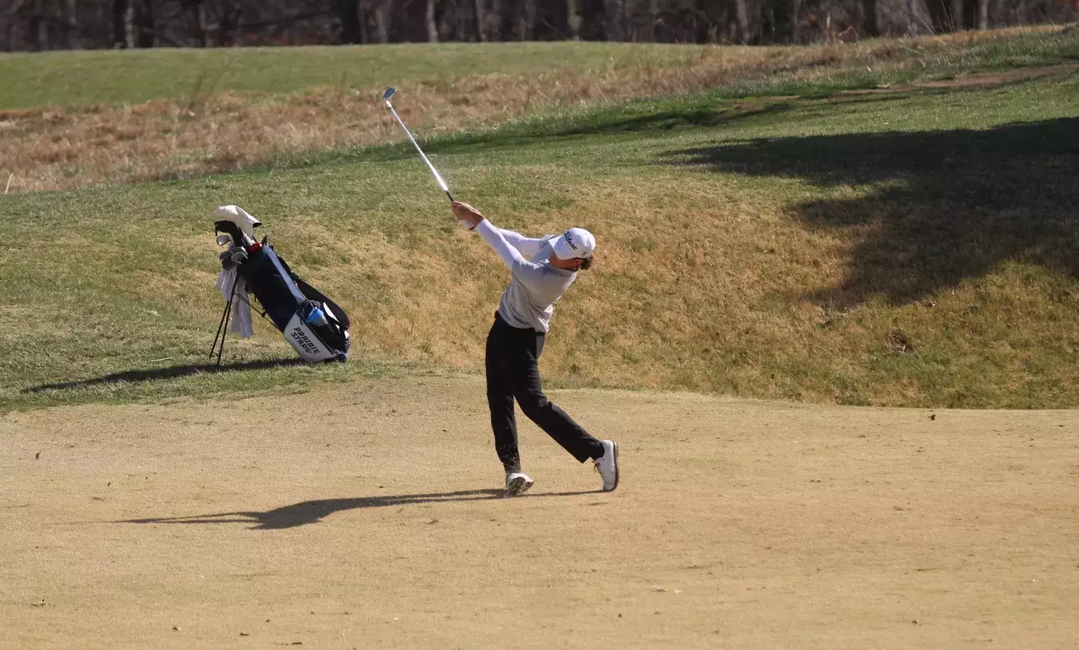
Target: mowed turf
{"points": [[368, 515], [910, 247], [224, 111], [85, 78], [132, 76]]}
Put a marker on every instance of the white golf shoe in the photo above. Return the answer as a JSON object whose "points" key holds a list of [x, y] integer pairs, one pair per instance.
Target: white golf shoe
{"points": [[517, 483], [607, 465]]}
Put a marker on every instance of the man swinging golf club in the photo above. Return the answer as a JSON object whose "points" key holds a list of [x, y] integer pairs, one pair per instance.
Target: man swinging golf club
{"points": [[516, 341]]}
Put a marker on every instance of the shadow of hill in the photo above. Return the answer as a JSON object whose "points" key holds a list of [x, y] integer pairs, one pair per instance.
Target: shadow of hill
{"points": [[309, 512], [944, 206], [634, 119], [172, 372], [654, 118]]}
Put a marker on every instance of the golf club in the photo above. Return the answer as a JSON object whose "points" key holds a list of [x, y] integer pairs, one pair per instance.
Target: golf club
{"points": [[441, 183]]}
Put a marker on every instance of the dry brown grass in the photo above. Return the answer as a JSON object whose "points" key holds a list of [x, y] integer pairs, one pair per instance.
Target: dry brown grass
{"points": [[801, 253], [57, 148], [360, 516]]}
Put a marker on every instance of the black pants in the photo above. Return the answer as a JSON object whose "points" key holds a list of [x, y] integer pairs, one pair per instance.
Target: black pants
{"points": [[512, 372]]}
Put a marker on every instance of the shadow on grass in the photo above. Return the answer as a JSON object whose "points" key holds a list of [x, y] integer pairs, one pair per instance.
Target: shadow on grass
{"points": [[310, 512], [942, 206], [634, 119], [646, 118], [135, 376]]}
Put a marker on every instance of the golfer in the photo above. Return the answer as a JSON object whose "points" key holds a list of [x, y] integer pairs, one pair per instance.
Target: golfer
{"points": [[516, 341]]}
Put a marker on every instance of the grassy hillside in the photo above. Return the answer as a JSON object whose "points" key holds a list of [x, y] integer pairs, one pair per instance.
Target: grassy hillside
{"points": [[83, 78], [135, 76], [228, 109], [908, 247]]}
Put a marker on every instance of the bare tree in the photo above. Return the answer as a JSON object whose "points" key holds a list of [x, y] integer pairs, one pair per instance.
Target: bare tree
{"points": [[145, 25], [593, 20], [519, 21], [362, 11], [870, 25], [492, 20], [966, 10], [478, 14], [11, 24], [737, 22], [552, 20], [430, 22], [119, 23], [45, 24], [228, 22], [68, 22], [197, 14], [940, 12], [39, 37], [349, 14], [528, 19], [777, 20], [382, 13]]}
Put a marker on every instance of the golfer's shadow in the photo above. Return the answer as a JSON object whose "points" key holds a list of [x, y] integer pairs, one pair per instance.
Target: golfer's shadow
{"points": [[310, 512]]}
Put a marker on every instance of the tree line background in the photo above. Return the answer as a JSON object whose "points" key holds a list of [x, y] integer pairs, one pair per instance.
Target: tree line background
{"points": [[80, 24]]}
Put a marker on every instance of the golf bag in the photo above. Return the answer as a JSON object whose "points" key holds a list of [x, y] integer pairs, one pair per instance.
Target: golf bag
{"points": [[315, 326]]}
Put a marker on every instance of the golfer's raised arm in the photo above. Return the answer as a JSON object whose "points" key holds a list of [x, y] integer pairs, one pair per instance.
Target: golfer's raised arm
{"points": [[528, 246], [494, 238]]}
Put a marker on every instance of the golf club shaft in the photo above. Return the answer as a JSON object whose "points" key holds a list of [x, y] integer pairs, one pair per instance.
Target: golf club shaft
{"points": [[438, 177]]}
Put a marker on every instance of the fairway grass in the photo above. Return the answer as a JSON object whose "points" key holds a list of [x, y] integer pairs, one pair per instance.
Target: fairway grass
{"points": [[83, 78], [86, 78], [369, 515], [220, 111], [907, 248]]}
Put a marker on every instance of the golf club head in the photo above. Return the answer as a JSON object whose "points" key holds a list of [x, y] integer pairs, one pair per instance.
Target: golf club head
{"points": [[223, 239], [389, 92]]}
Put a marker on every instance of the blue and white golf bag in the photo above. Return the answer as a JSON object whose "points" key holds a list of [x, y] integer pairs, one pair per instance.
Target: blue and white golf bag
{"points": [[315, 326]]}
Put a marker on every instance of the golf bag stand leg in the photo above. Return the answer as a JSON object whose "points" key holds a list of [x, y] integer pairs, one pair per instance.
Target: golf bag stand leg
{"points": [[223, 328]]}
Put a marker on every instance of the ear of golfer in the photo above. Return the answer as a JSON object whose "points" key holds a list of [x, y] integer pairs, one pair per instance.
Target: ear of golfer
{"points": [[567, 253]]}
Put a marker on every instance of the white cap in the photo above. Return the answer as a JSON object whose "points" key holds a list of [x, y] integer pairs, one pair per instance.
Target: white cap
{"points": [[575, 242]]}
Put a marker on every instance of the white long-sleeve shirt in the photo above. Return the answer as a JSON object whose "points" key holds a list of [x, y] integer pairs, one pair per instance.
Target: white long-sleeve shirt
{"points": [[528, 301]]}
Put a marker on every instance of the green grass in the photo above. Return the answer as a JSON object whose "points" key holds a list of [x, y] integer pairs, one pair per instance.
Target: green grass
{"points": [[85, 78], [200, 130], [768, 248], [910, 248], [132, 76]]}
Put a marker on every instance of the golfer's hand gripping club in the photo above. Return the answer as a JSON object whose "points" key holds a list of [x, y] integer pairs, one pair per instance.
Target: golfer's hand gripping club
{"points": [[469, 216]]}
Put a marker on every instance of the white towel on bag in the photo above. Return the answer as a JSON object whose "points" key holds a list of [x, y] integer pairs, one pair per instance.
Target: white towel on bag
{"points": [[228, 281]]}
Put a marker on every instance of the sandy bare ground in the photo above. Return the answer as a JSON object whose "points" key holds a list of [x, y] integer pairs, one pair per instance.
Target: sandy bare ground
{"points": [[362, 515]]}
